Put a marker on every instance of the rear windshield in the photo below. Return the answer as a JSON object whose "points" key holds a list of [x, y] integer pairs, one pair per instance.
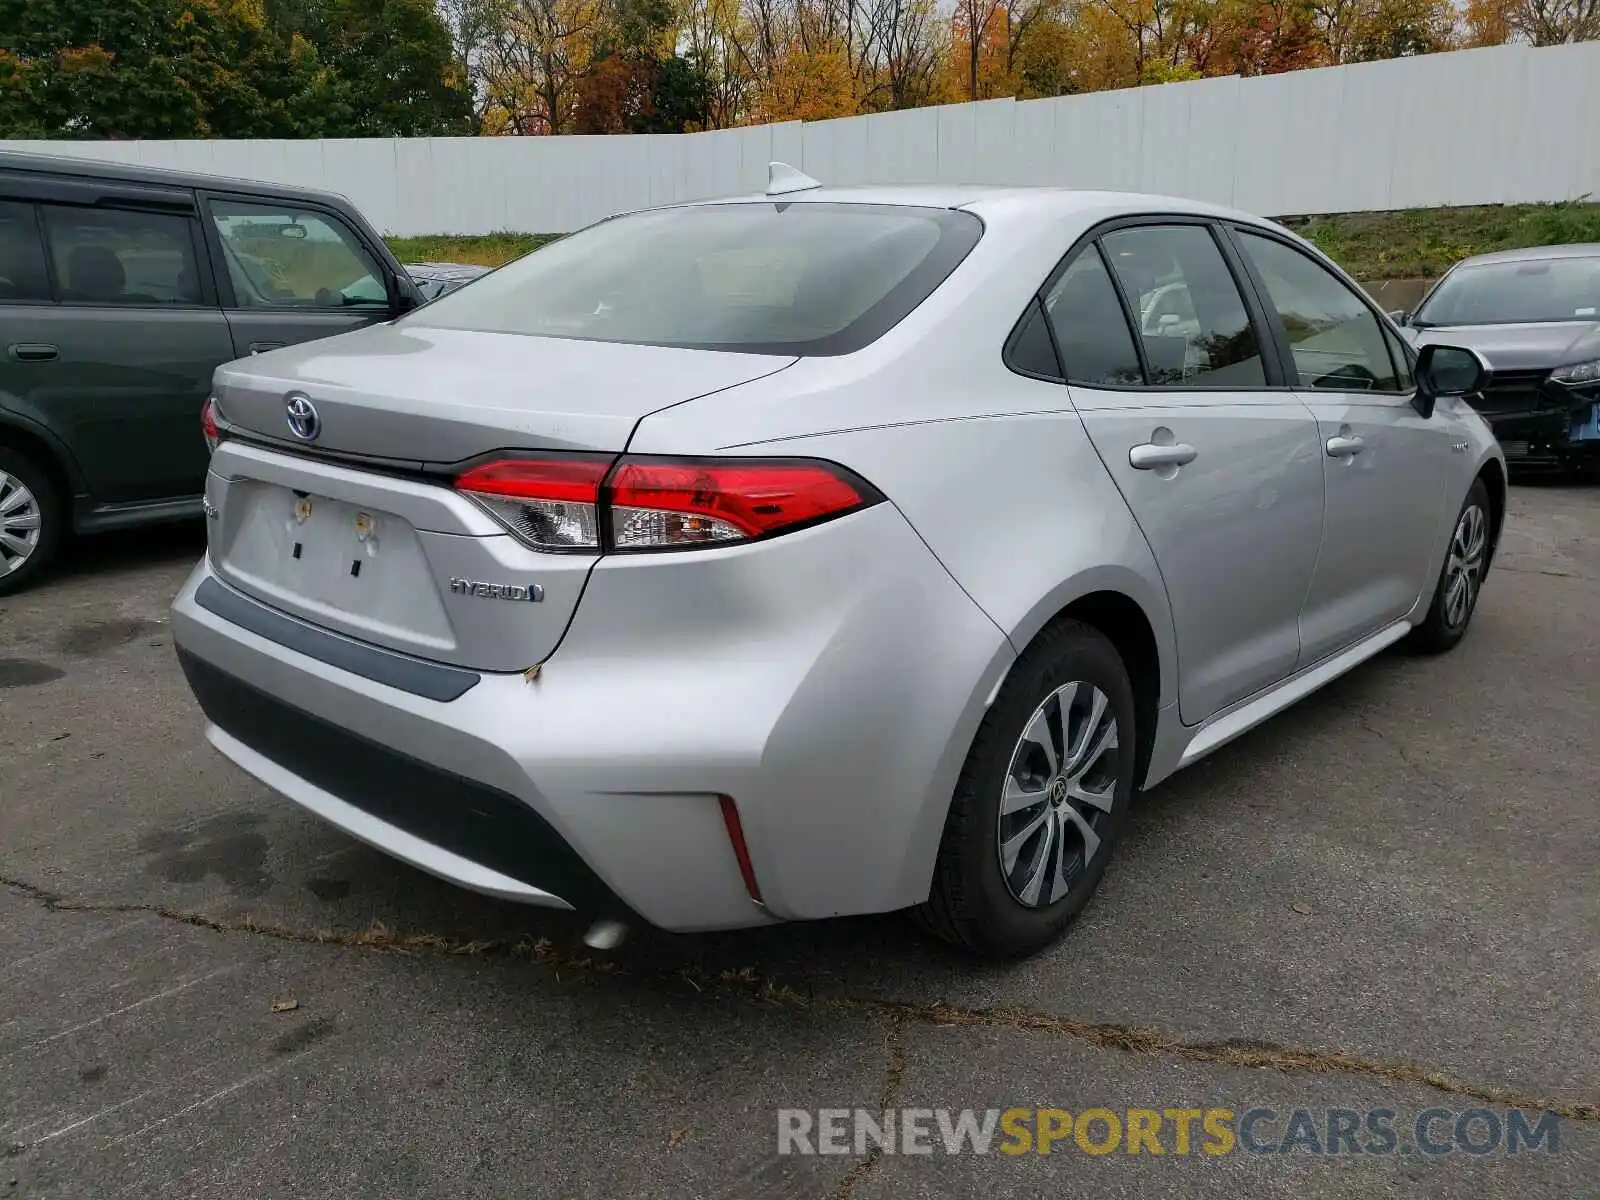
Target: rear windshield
{"points": [[1545, 289], [805, 278]]}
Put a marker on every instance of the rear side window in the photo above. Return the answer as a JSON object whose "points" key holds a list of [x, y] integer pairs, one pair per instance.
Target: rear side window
{"points": [[1029, 350], [280, 256], [1090, 328], [22, 271], [1192, 321], [793, 277], [109, 256]]}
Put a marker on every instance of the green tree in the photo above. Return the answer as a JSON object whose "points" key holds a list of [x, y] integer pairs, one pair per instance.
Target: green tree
{"points": [[150, 69], [392, 69], [680, 96], [635, 82], [1397, 28]]}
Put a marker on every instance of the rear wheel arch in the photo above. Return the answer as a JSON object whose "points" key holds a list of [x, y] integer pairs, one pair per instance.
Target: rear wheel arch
{"points": [[1127, 626], [1130, 628]]}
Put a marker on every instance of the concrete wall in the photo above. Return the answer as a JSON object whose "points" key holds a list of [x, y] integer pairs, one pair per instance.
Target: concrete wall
{"points": [[1501, 125]]}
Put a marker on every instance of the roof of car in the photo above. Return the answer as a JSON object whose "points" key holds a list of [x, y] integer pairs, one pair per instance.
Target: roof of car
{"points": [[1041, 201], [1534, 253], [97, 168]]}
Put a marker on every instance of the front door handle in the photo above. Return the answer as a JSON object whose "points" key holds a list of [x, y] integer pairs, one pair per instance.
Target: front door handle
{"points": [[1345, 446], [33, 352], [1150, 456], [263, 347]]}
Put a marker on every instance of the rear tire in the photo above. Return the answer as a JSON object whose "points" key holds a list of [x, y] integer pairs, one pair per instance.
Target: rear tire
{"points": [[1466, 561], [1042, 798], [30, 521]]}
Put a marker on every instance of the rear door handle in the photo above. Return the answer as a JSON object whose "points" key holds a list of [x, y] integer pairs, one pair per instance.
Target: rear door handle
{"points": [[263, 347], [33, 352], [1150, 456], [1345, 447]]}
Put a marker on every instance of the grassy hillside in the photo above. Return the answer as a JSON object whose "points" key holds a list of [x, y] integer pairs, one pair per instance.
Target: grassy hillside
{"points": [[489, 250], [1414, 243], [1423, 242]]}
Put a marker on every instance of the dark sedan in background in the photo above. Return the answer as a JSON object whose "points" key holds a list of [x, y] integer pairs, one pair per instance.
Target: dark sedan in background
{"points": [[440, 279], [1534, 315]]}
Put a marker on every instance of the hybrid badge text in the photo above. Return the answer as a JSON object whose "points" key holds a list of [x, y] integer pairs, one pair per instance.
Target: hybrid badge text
{"points": [[497, 591]]}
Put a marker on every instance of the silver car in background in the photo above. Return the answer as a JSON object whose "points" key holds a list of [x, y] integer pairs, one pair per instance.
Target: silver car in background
{"points": [[826, 551]]}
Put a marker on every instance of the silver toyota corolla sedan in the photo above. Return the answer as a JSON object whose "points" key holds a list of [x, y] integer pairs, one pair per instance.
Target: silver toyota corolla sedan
{"points": [[825, 551]]}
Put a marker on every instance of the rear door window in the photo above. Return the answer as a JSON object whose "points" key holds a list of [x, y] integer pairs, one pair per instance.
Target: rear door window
{"points": [[1191, 318], [23, 278], [283, 256], [111, 256]]}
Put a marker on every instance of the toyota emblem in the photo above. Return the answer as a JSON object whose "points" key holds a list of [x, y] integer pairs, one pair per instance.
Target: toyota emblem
{"points": [[302, 414]]}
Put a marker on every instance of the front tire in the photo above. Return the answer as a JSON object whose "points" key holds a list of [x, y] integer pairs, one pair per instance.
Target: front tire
{"points": [[30, 521], [1466, 561], [1041, 800]]}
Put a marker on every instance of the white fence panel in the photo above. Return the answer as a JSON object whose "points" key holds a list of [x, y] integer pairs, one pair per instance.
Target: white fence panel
{"points": [[904, 145], [1207, 157], [1261, 144], [994, 146], [1313, 125], [955, 142], [1372, 134], [1032, 151], [852, 159], [1503, 125], [1545, 144], [1164, 140]]}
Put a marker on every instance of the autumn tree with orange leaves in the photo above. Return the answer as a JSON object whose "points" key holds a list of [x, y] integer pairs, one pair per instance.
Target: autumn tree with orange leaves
{"points": [[246, 68]]}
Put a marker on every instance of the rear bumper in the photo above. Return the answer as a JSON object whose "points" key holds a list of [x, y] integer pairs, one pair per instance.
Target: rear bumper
{"points": [[829, 682], [438, 821]]}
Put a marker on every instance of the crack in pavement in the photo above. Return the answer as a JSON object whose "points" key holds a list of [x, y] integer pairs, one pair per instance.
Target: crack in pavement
{"points": [[1104, 1035], [893, 1081]]}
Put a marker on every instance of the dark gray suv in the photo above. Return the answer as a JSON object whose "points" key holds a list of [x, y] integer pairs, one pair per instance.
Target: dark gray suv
{"points": [[121, 290]]}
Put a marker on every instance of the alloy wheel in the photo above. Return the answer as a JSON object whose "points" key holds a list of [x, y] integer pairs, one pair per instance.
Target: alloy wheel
{"points": [[20, 523], [1058, 793], [1463, 574]]}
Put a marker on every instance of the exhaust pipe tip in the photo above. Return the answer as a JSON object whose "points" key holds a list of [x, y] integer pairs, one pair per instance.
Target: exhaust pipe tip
{"points": [[605, 935]]}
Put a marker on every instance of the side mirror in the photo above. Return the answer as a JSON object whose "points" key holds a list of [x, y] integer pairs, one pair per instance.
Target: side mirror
{"points": [[1448, 371], [1400, 316], [403, 296]]}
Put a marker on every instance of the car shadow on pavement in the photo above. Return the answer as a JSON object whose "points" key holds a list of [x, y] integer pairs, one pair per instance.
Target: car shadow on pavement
{"points": [[130, 549]]}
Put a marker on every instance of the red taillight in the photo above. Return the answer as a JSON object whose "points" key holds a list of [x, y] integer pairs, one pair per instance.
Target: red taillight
{"points": [[647, 503], [550, 503], [659, 504], [208, 423]]}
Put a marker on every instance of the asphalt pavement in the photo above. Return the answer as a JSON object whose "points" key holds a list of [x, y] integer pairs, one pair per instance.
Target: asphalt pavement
{"points": [[1386, 899]]}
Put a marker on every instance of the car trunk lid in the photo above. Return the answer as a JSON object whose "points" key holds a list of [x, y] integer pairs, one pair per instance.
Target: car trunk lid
{"points": [[385, 549], [414, 393]]}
